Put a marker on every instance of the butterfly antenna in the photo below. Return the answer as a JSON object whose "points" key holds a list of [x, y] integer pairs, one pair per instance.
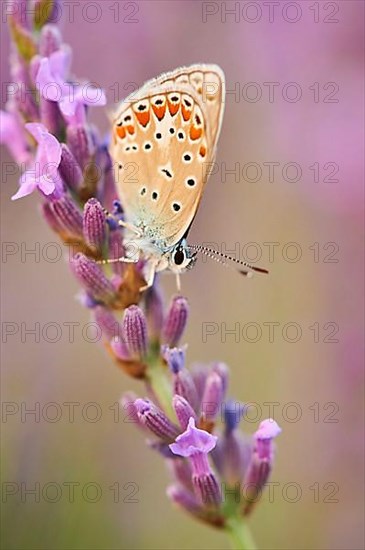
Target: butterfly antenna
{"points": [[211, 253]]}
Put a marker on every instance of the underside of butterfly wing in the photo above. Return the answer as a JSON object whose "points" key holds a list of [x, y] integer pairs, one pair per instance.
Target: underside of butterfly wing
{"points": [[160, 147]]}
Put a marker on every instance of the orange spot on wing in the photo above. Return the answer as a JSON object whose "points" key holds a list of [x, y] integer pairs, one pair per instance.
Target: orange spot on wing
{"points": [[202, 151], [130, 129], [195, 133], [121, 132], [173, 107], [159, 110], [186, 113], [143, 118]]}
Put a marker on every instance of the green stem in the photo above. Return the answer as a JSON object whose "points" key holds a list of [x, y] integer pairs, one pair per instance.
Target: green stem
{"points": [[240, 534], [161, 385]]}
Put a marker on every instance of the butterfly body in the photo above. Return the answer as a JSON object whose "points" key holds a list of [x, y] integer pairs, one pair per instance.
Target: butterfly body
{"points": [[163, 143]]}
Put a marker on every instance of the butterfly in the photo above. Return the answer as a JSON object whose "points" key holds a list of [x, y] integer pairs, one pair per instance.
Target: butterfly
{"points": [[163, 144]]}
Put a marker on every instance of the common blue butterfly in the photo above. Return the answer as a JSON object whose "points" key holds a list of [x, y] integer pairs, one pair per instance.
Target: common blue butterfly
{"points": [[166, 134]]}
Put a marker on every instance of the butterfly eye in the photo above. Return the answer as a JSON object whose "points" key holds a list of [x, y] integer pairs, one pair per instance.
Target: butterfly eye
{"points": [[179, 257]]}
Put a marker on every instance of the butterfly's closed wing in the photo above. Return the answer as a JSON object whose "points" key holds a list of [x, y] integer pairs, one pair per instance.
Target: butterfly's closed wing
{"points": [[163, 139]]}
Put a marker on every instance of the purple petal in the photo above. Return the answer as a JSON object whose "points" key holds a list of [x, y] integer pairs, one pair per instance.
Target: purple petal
{"points": [[60, 62], [193, 441], [49, 85], [27, 185], [268, 429], [46, 184]]}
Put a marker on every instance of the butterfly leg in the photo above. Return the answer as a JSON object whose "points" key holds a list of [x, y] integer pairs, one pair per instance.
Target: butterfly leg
{"points": [[122, 259], [149, 274]]}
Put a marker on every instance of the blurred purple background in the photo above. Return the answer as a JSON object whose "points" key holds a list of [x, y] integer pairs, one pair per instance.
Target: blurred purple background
{"points": [[312, 52]]}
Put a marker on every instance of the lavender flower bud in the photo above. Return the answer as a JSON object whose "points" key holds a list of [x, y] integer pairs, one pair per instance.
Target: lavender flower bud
{"points": [[68, 215], [200, 373], [92, 277], [183, 410], [80, 142], [233, 411], [231, 456], [135, 331], [175, 358], [50, 40], [183, 385], [175, 321], [223, 371], [154, 311], [107, 322], [69, 170], [212, 398], [156, 420], [94, 225], [261, 462]]}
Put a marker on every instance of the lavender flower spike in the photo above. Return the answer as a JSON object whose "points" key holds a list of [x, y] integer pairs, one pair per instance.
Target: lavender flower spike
{"points": [[43, 172], [94, 224], [175, 321], [196, 444], [135, 331], [155, 419], [92, 277]]}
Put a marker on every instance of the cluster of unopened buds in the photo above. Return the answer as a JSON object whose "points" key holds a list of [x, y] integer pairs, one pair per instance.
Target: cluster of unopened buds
{"points": [[218, 471]]}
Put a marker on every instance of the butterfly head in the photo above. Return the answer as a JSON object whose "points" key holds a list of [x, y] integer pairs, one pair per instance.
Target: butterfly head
{"points": [[181, 257]]}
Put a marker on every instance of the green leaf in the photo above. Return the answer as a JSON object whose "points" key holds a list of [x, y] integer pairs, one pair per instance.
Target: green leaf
{"points": [[42, 13], [23, 40]]}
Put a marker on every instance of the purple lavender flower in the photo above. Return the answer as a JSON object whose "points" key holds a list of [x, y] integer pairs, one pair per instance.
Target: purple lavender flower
{"points": [[13, 136], [43, 173], [196, 444], [51, 80], [261, 462]]}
